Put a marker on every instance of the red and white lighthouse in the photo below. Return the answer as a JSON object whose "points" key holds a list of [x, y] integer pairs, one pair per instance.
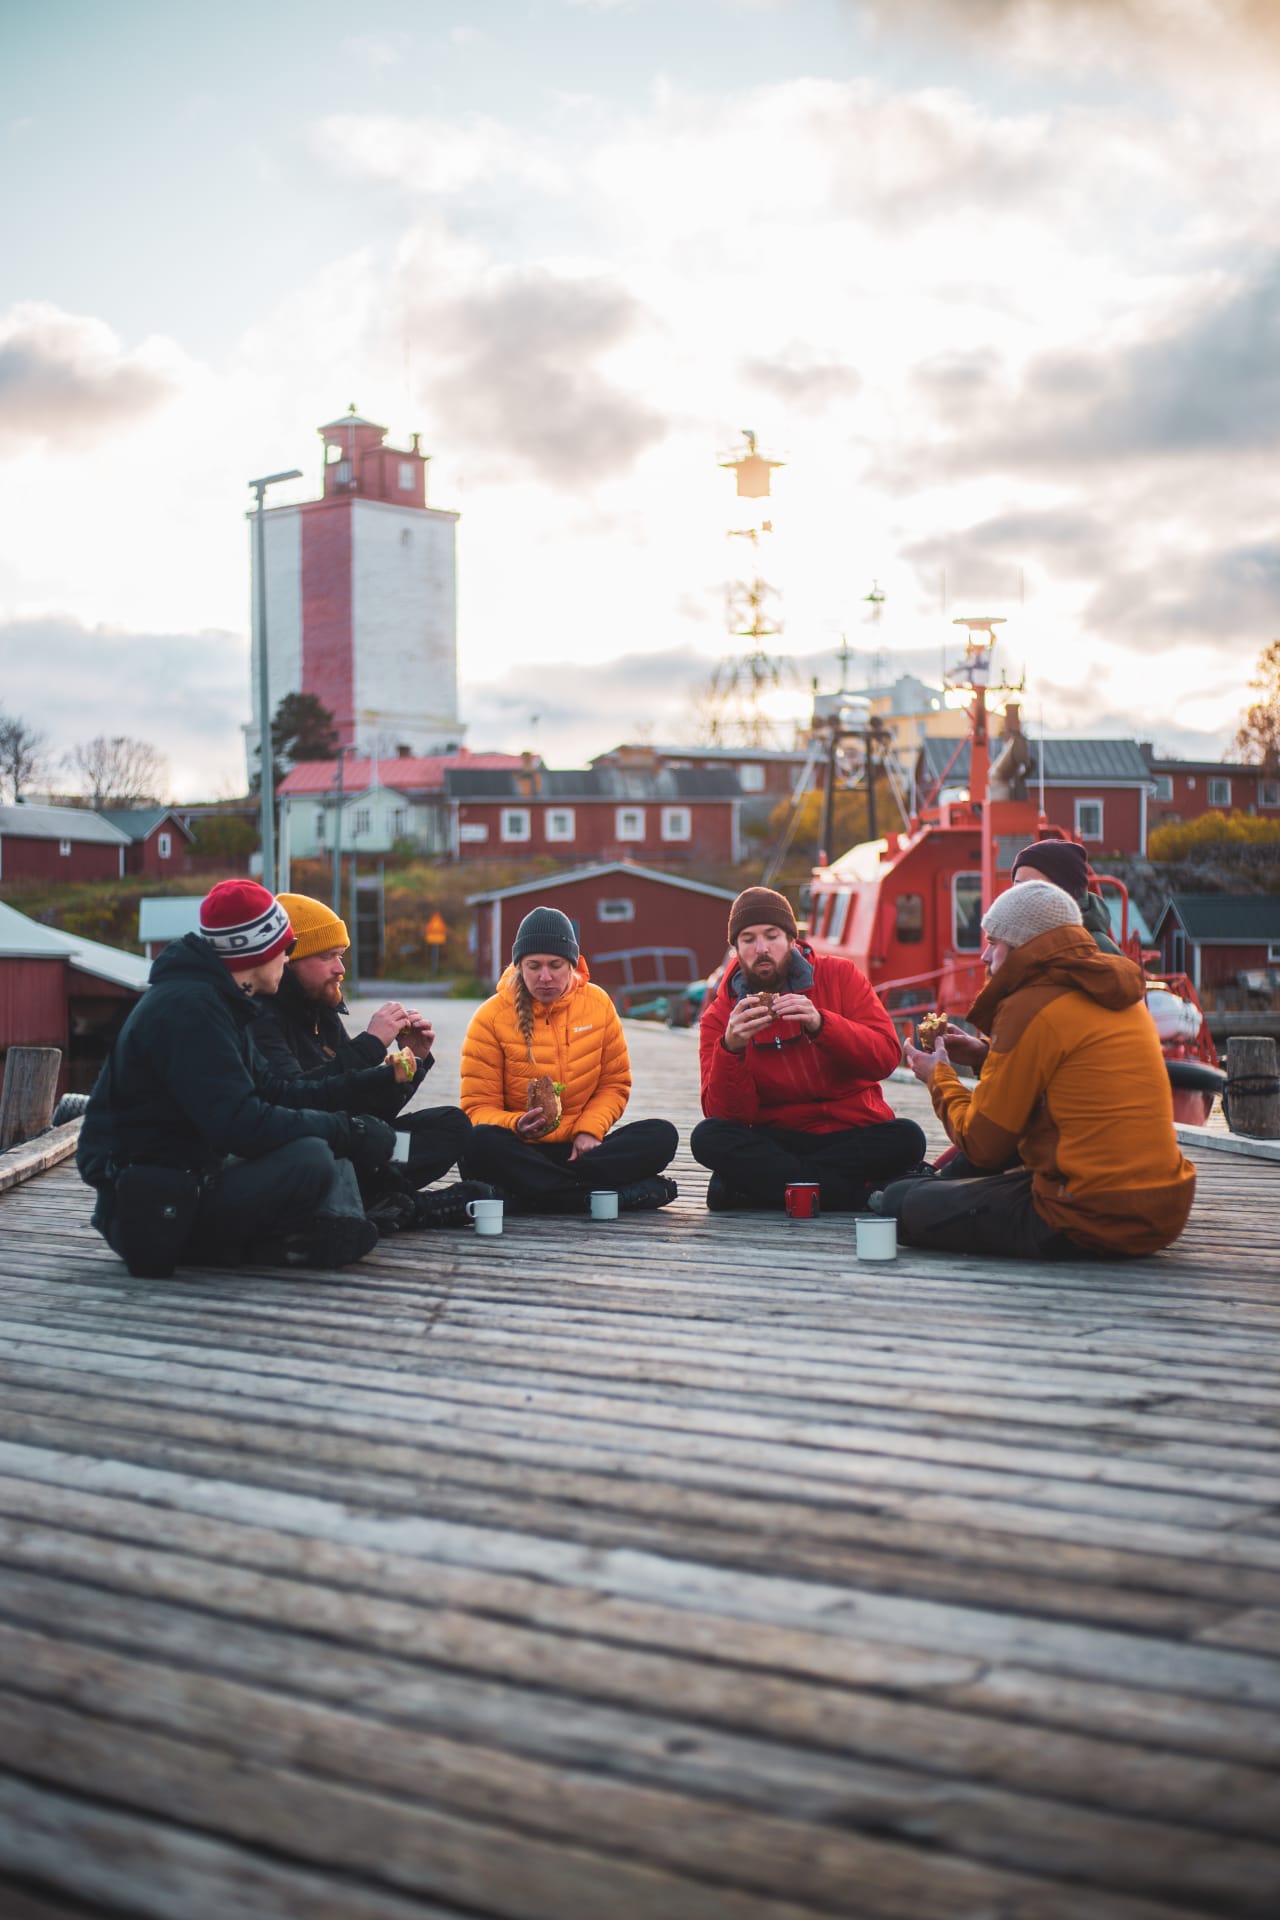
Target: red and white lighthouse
{"points": [[361, 592]]}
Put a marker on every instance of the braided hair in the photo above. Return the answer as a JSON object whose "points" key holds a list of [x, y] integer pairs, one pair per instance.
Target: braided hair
{"points": [[524, 1014]]}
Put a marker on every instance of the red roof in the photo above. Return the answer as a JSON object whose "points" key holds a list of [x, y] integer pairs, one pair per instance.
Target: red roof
{"points": [[408, 773]]}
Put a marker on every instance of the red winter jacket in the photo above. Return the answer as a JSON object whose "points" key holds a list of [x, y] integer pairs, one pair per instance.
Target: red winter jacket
{"points": [[812, 1084]]}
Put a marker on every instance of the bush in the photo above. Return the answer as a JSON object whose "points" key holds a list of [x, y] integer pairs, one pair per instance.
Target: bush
{"points": [[1176, 841]]}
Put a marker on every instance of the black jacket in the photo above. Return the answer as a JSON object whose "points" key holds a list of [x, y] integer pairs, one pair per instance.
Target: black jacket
{"points": [[298, 1037], [184, 1084]]}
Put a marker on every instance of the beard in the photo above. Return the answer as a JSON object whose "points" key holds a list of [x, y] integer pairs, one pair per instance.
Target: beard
{"points": [[765, 977], [330, 994]]}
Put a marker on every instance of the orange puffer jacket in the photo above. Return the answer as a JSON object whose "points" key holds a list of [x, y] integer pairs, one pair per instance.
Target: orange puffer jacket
{"points": [[578, 1040], [1076, 1083]]}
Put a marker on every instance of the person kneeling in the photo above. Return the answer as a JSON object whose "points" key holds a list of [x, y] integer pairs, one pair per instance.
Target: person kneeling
{"points": [[547, 1027], [1074, 1080]]}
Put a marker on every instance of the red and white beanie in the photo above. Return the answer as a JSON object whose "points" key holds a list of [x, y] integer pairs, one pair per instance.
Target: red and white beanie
{"points": [[244, 924]]}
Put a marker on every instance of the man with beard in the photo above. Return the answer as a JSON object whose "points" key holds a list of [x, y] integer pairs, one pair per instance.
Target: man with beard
{"points": [[302, 1035], [793, 1047]]}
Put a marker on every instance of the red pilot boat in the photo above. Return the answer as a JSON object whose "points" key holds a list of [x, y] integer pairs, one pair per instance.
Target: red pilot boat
{"points": [[908, 909]]}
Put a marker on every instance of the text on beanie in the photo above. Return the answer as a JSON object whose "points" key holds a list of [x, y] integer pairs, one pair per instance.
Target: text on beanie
{"points": [[244, 924]]}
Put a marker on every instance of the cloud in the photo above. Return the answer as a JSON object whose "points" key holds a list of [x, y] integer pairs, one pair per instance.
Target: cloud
{"points": [[1100, 32], [66, 380], [375, 51], [433, 155], [516, 372], [808, 385], [568, 711], [185, 693]]}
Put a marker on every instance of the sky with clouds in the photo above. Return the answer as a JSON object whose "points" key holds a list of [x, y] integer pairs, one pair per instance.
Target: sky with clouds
{"points": [[998, 279]]}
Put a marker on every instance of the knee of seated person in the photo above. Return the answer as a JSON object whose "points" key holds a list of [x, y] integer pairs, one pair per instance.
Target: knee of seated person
{"points": [[667, 1135], [311, 1161]]}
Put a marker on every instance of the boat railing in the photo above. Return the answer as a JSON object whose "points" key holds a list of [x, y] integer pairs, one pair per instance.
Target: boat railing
{"points": [[949, 988]]}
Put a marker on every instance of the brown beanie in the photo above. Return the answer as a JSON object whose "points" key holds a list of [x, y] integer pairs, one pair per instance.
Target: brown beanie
{"points": [[1031, 908], [317, 927], [760, 907]]}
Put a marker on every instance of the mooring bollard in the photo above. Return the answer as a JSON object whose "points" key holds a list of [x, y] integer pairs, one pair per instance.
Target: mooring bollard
{"points": [[1251, 1099], [26, 1102]]}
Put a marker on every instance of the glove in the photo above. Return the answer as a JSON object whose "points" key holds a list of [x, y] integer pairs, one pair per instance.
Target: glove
{"points": [[371, 1141]]}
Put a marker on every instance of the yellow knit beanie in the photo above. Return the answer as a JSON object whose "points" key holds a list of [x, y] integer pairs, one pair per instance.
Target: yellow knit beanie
{"points": [[316, 927]]}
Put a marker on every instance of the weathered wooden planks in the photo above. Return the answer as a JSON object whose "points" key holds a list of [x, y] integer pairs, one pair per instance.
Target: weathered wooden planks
{"points": [[676, 1567]]}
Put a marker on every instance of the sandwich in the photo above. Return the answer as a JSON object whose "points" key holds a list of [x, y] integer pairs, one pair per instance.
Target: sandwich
{"points": [[405, 1059], [412, 1041], [766, 1000], [930, 1027], [544, 1097]]}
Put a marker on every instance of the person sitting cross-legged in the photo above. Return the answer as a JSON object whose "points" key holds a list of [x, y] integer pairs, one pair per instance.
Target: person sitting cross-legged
{"points": [[302, 1035], [793, 1047], [548, 1022], [199, 1155], [1073, 1081]]}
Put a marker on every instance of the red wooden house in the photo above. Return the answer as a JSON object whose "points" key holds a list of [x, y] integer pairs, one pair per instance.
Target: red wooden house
{"points": [[600, 814], [59, 843], [1184, 789], [1097, 789], [57, 990], [641, 931], [159, 839], [1216, 937]]}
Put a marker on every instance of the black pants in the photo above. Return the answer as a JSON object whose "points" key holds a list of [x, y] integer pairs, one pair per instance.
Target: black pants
{"points": [[994, 1215], [539, 1179], [437, 1137], [760, 1163]]}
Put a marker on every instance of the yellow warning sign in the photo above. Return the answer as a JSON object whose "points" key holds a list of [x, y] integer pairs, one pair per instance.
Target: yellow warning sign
{"points": [[435, 932]]}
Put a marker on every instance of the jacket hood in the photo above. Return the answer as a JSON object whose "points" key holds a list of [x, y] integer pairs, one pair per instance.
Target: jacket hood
{"points": [[581, 976], [193, 958], [1066, 959]]}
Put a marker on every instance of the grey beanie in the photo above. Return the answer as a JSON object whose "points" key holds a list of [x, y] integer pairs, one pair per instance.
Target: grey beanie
{"points": [[1030, 908], [546, 930]]}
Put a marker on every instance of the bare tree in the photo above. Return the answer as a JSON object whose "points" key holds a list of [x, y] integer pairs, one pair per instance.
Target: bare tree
{"points": [[116, 771], [1258, 741], [24, 757]]}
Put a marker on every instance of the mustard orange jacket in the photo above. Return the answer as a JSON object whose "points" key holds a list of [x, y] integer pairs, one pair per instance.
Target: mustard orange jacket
{"points": [[1076, 1082], [578, 1040]]}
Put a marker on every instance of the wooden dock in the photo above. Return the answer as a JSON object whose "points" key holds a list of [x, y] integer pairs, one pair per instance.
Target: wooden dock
{"points": [[673, 1569]]}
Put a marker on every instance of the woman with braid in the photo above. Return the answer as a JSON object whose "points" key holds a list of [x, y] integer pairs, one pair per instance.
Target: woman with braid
{"points": [[548, 1036]]}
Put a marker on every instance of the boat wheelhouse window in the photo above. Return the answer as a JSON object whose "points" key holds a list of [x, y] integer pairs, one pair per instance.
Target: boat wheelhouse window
{"points": [[966, 912], [821, 908], [909, 921], [839, 917]]}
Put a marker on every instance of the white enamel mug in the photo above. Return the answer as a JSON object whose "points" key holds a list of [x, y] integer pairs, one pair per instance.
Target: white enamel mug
{"points": [[604, 1204], [487, 1215], [876, 1237]]}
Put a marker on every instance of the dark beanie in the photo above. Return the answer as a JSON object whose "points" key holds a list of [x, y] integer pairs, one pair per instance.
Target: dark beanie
{"points": [[1063, 862], [546, 930], [760, 907]]}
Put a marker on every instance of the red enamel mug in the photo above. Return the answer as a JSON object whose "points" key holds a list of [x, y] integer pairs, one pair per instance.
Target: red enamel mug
{"points": [[804, 1200]]}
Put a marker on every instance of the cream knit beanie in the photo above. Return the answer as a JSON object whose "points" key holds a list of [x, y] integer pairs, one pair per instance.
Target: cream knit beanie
{"points": [[1030, 908]]}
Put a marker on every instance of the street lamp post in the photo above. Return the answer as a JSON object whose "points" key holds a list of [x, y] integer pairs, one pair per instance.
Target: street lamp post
{"points": [[266, 781]]}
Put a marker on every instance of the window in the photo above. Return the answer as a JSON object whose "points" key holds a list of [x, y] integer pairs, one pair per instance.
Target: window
{"points": [[407, 473], [751, 779], [909, 919], [64, 847], [1089, 819], [344, 476], [839, 917], [560, 823], [515, 823], [1269, 793], [676, 823], [472, 831], [1273, 953], [332, 454], [1177, 951], [966, 912], [319, 823], [629, 823], [615, 909], [818, 915], [360, 821], [1219, 793], [164, 845], [399, 823], [1162, 786]]}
